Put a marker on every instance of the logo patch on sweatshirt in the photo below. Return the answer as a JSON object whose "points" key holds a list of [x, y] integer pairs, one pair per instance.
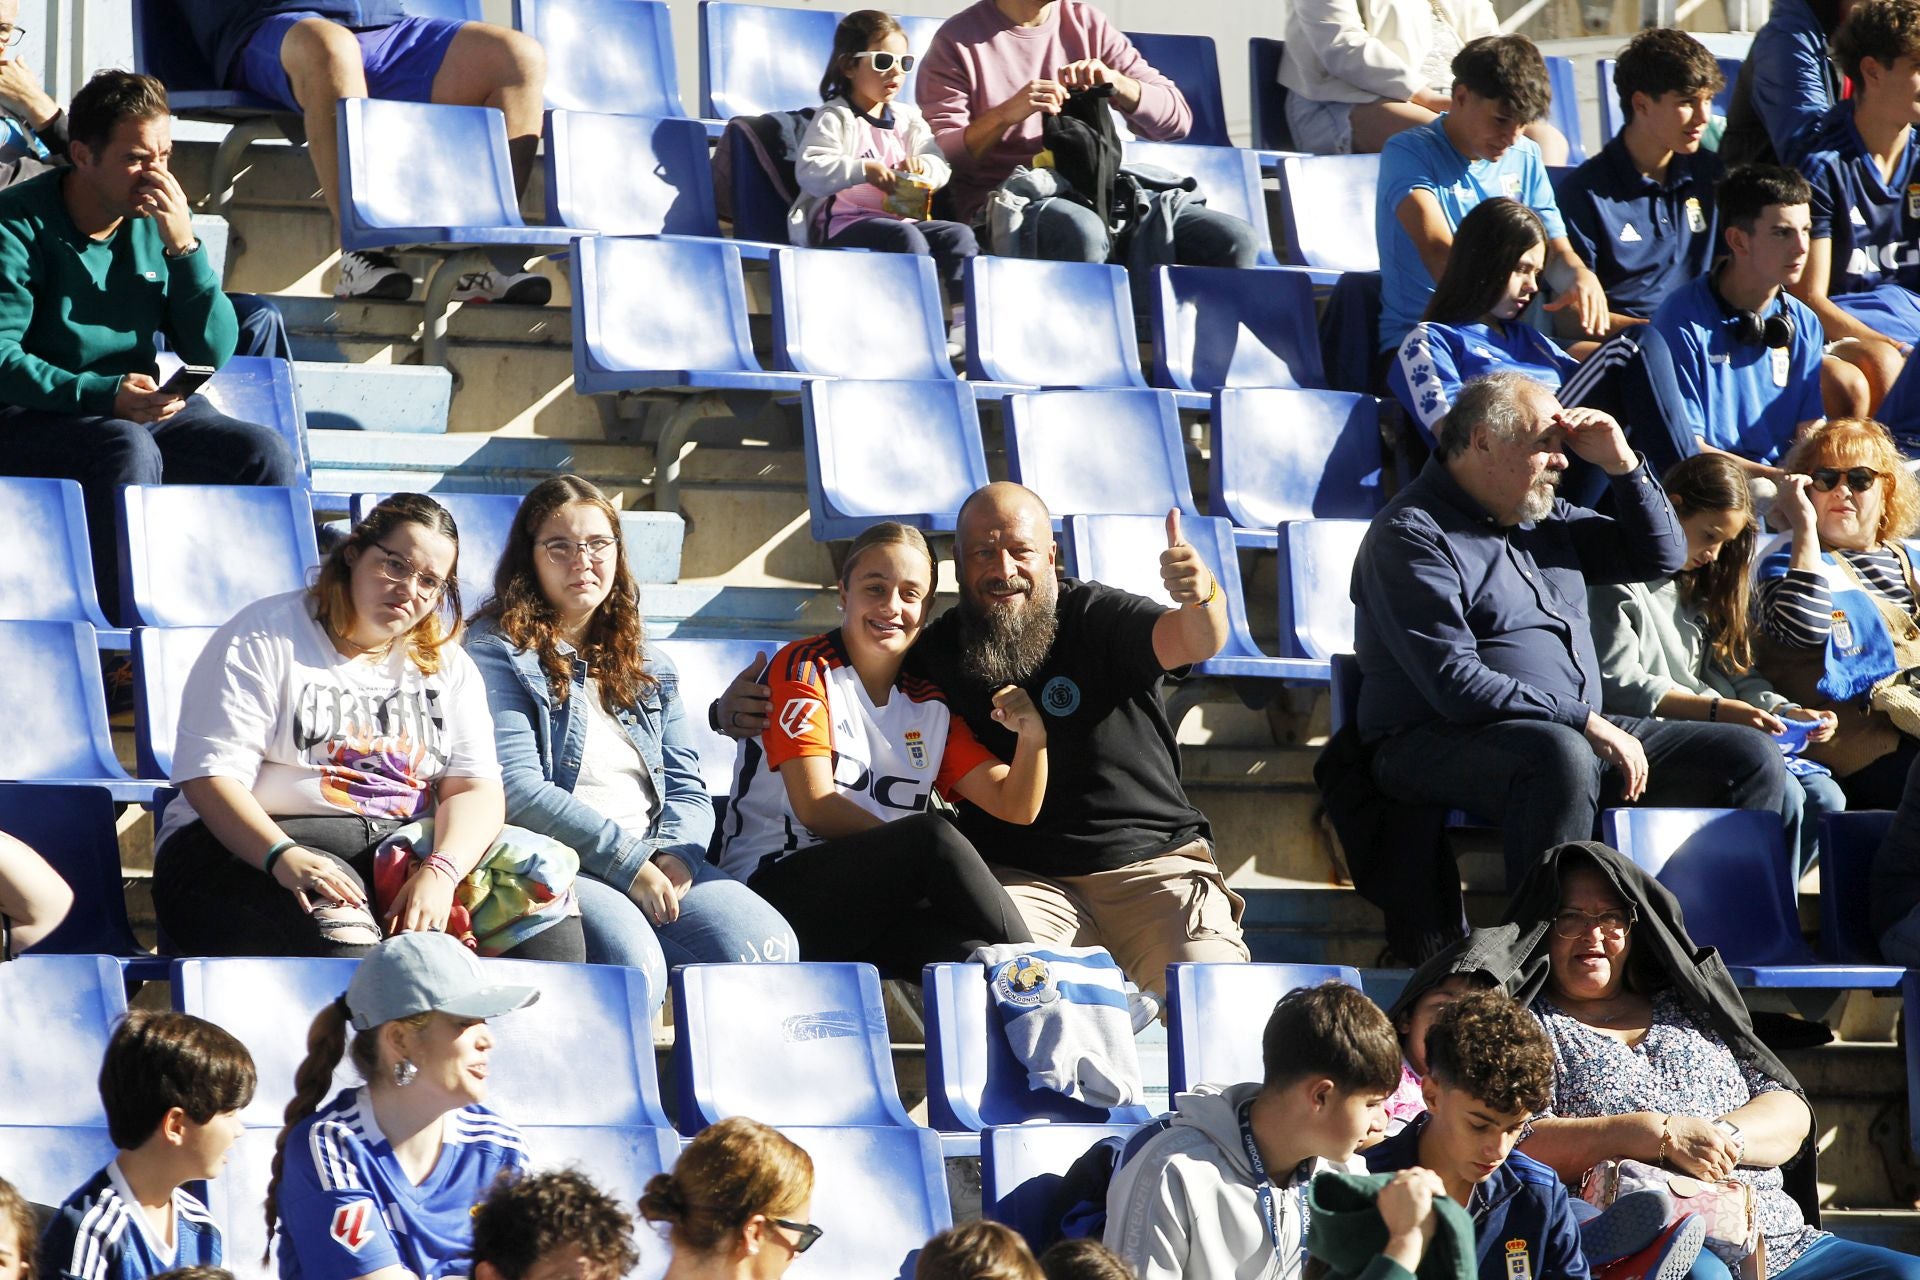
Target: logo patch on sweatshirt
{"points": [[1025, 981], [1519, 1265]]}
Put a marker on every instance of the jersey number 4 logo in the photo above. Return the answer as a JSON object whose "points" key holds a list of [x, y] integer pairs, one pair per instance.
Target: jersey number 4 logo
{"points": [[353, 1224], [797, 715]]}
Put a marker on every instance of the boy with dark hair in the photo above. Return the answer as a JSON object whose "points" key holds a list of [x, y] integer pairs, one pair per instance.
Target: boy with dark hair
{"points": [[1433, 175], [1083, 1260], [1746, 354], [1220, 1191], [173, 1086], [1640, 213], [551, 1226], [1864, 261]]}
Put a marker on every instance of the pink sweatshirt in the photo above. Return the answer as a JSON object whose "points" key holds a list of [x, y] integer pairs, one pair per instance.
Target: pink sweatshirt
{"points": [[979, 59]]}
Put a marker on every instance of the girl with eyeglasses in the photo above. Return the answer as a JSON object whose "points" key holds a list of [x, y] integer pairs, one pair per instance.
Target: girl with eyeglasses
{"points": [[597, 747], [736, 1204], [868, 164], [1839, 609], [328, 730]]}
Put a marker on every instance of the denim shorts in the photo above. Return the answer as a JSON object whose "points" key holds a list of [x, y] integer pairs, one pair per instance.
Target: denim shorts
{"points": [[401, 60]]}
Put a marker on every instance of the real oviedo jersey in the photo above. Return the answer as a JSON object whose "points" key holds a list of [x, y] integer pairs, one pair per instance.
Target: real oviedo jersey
{"points": [[348, 1209], [886, 759]]}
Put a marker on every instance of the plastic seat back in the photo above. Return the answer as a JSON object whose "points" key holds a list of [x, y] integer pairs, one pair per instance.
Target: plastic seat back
{"points": [[163, 658], [261, 389], [1124, 552], [267, 1003], [1848, 843], [1229, 178], [235, 1197], [1050, 324], [1022, 1167], [801, 1044], [56, 1015], [47, 572], [1564, 114], [1312, 185], [1215, 327], [1271, 132], [756, 58], [707, 665], [658, 307], [858, 315], [195, 555], [164, 48], [621, 1161], [907, 451], [973, 1079], [1288, 454], [47, 1163], [1099, 452], [422, 172], [606, 55], [878, 1193], [1728, 868], [1216, 1013], [662, 185], [1316, 568], [1191, 62], [54, 706], [74, 829], [484, 520]]}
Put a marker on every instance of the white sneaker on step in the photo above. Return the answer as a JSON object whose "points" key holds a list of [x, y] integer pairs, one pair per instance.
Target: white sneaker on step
{"points": [[518, 288], [372, 275]]}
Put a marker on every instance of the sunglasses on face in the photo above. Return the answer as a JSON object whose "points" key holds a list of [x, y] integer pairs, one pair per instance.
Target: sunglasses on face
{"points": [[808, 1233], [1859, 479], [883, 61]]}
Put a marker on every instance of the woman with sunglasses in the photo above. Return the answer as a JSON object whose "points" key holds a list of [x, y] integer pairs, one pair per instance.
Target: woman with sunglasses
{"points": [[597, 749], [736, 1204], [1839, 609], [317, 724]]}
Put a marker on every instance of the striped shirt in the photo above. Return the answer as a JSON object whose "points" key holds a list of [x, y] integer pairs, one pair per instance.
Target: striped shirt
{"points": [[1796, 609], [101, 1233]]}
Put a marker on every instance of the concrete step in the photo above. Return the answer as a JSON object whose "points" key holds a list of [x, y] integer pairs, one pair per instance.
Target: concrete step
{"points": [[404, 399]]}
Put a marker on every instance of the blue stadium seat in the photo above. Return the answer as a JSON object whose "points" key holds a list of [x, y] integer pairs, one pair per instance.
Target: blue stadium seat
{"points": [[420, 175], [614, 56], [1106, 453], [1271, 132], [48, 570], [267, 1003], [1281, 455], [662, 185], [973, 1079], [800, 1044], [1316, 566], [164, 48], [163, 657], [1214, 327], [707, 664], [906, 451], [1021, 1168], [484, 520], [859, 315], [756, 58], [1612, 120], [878, 1194], [56, 1014], [1728, 868], [1124, 552], [1227, 176], [261, 389], [55, 710], [1191, 63], [1309, 187], [1050, 324], [1217, 1012], [1564, 114], [195, 555], [47, 1163], [73, 828], [1848, 843]]}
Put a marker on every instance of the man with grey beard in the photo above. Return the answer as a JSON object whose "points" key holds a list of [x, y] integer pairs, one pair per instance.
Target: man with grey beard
{"points": [[1480, 688], [1118, 857]]}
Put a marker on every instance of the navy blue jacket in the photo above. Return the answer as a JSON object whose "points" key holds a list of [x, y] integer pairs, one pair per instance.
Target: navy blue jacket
{"points": [[1522, 1204], [1786, 82], [221, 28]]}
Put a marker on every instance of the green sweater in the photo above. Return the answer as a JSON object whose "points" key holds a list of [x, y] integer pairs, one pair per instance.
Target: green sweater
{"points": [[76, 313]]}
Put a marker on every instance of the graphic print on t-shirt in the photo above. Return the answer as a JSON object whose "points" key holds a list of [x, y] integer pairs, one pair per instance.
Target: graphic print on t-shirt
{"points": [[375, 754]]}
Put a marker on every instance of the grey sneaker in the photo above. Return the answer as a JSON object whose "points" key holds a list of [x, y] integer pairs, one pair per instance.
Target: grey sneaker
{"points": [[519, 288], [1631, 1223]]}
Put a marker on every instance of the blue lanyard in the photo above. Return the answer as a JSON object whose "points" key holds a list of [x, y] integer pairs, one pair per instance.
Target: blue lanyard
{"points": [[1263, 1192]]}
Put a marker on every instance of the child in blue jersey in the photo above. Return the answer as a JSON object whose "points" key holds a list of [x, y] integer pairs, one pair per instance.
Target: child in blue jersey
{"points": [[173, 1087], [387, 1175]]}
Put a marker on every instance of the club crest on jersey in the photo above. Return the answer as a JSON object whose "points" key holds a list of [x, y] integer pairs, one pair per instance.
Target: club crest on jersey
{"points": [[1913, 199], [916, 749], [1696, 218], [1510, 183], [353, 1225], [1519, 1265], [1025, 981], [797, 716]]}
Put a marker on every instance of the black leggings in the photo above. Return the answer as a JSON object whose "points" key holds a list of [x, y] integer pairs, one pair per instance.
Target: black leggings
{"points": [[899, 896], [210, 903]]}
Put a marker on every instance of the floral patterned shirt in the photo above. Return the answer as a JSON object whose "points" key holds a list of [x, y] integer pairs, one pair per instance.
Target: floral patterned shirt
{"points": [[1682, 1067]]}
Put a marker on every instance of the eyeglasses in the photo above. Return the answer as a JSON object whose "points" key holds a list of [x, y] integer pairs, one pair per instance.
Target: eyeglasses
{"points": [[1578, 924], [399, 570], [11, 35], [809, 1234], [883, 61], [562, 551], [1859, 479]]}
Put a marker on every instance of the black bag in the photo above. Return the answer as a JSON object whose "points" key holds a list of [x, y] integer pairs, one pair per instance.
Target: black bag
{"points": [[1086, 148]]}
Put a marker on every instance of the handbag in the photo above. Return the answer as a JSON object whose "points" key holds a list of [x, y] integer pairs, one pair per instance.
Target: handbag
{"points": [[1728, 1208]]}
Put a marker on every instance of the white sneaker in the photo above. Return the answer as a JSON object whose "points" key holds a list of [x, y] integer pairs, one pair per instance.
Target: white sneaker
{"points": [[372, 275], [957, 342], [519, 288]]}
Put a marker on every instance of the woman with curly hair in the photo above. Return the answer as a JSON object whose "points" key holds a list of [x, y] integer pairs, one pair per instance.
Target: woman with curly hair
{"points": [[596, 747]]}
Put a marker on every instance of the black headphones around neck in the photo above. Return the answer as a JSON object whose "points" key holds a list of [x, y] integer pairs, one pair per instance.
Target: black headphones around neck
{"points": [[1775, 331]]}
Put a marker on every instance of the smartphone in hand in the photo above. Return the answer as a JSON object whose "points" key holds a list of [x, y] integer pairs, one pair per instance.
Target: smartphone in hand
{"points": [[187, 379]]}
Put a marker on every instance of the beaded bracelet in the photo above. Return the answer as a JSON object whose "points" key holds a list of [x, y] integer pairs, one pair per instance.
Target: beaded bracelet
{"points": [[273, 855]]}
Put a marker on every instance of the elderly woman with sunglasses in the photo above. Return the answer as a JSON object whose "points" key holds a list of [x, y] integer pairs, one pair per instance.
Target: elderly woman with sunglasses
{"points": [[322, 728], [1838, 606]]}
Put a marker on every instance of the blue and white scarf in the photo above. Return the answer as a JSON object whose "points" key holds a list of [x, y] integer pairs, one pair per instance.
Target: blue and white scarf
{"points": [[1860, 651]]}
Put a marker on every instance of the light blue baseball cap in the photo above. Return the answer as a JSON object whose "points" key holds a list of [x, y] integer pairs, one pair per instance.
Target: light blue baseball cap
{"points": [[413, 973]]}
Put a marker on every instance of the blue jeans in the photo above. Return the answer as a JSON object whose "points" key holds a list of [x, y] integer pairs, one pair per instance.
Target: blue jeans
{"points": [[1070, 232], [1815, 794], [1830, 1258]]}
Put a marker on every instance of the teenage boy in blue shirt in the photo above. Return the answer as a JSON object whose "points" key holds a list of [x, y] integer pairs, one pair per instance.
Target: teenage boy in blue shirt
{"points": [[1640, 213], [1434, 175]]}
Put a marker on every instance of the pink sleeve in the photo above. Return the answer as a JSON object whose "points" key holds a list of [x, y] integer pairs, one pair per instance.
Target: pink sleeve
{"points": [[1163, 114], [944, 92]]}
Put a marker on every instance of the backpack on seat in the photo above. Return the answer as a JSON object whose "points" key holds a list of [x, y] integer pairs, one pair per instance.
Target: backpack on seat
{"points": [[753, 180]]}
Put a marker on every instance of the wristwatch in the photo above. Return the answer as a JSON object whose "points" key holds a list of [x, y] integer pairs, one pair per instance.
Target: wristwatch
{"points": [[1732, 1130], [184, 253]]}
